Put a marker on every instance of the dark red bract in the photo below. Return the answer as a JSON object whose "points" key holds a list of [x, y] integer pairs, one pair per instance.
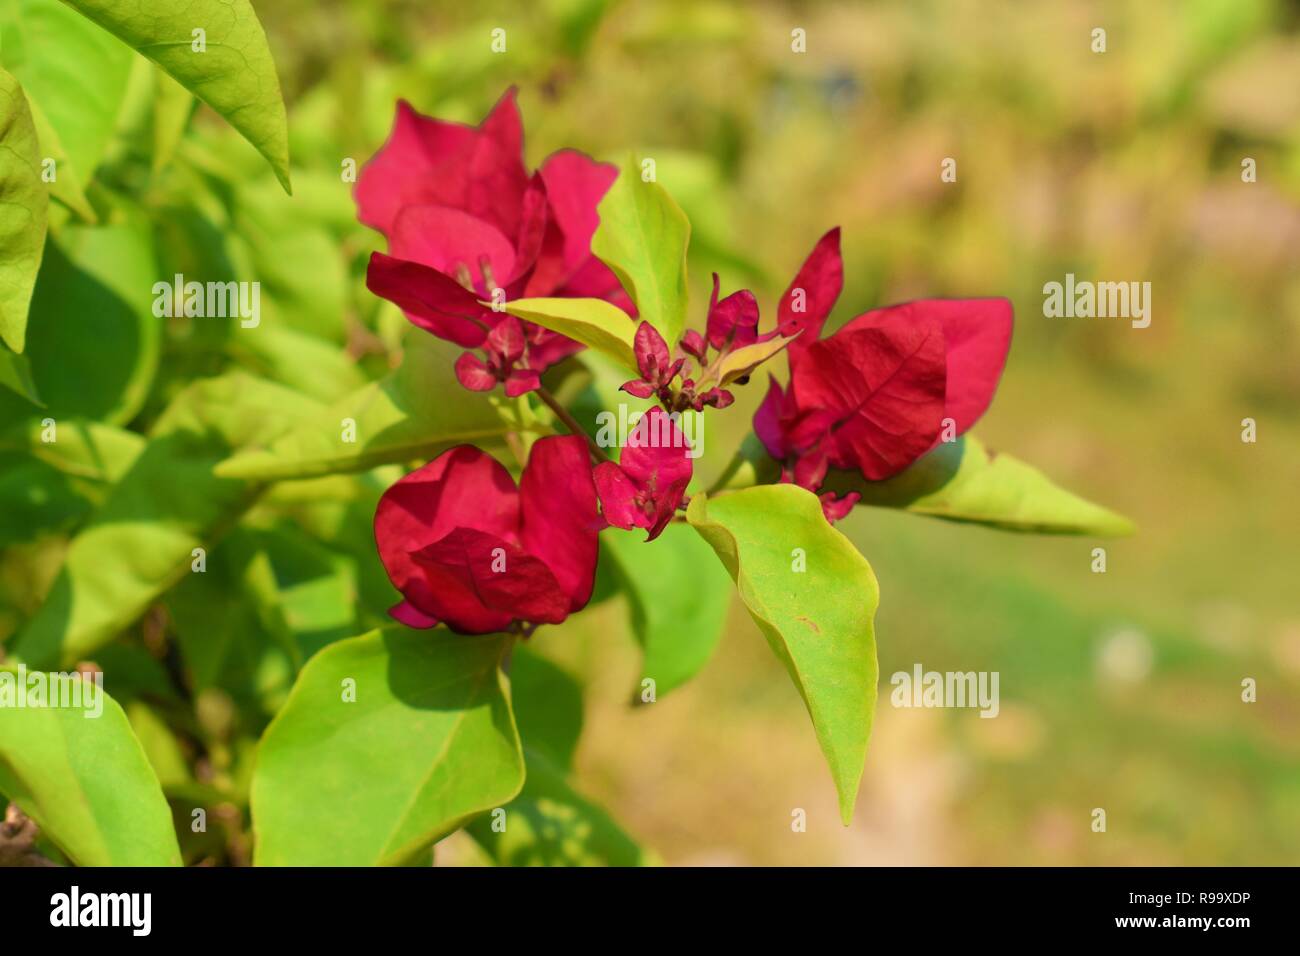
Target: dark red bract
{"points": [[468, 549], [874, 396], [649, 481]]}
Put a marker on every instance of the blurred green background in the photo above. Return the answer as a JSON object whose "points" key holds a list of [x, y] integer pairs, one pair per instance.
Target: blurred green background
{"points": [[1120, 690]]}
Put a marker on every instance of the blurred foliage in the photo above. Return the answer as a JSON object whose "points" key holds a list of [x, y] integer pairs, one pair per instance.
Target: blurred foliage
{"points": [[1119, 690]]}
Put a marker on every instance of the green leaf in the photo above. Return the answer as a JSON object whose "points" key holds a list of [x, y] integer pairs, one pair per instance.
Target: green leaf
{"points": [[428, 743], [744, 360], [76, 77], [234, 73], [414, 413], [962, 481], [818, 620], [303, 362], [84, 449], [230, 627], [85, 780], [23, 207], [551, 824], [678, 597], [102, 277], [643, 237], [16, 375], [140, 542], [172, 107], [66, 188], [548, 705], [595, 323]]}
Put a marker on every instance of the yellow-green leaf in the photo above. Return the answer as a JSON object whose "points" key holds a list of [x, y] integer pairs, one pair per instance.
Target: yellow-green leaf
{"points": [[388, 742], [963, 481], [217, 50], [643, 237], [814, 598], [594, 322], [23, 207]]}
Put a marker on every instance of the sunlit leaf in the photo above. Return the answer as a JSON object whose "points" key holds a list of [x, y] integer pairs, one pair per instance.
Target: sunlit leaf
{"points": [[814, 598], [230, 69], [963, 481], [643, 237], [594, 322], [427, 742], [85, 780], [23, 206]]}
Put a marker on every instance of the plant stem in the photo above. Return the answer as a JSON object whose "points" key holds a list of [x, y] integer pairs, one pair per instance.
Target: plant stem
{"points": [[571, 423]]}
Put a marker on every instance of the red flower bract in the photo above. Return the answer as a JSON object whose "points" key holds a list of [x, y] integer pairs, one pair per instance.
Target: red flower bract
{"points": [[872, 397], [648, 483], [468, 549], [464, 219]]}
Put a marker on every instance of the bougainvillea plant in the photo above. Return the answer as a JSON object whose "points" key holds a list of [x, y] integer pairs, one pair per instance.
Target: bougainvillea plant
{"points": [[548, 440], [586, 262]]}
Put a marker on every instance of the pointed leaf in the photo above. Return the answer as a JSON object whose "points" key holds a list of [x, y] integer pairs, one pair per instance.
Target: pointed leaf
{"points": [[963, 481], [23, 206], [643, 237], [818, 621], [83, 777], [744, 360], [75, 76], [595, 323], [428, 743], [233, 72]]}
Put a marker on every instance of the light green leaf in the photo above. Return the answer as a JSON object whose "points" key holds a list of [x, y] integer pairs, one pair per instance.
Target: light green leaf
{"points": [[678, 597], [140, 542], [172, 107], [643, 237], [428, 743], [818, 621], [23, 207], [85, 780], [551, 824], [76, 77], [233, 72], [414, 413], [744, 360], [595, 323], [962, 481], [84, 449], [66, 187]]}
